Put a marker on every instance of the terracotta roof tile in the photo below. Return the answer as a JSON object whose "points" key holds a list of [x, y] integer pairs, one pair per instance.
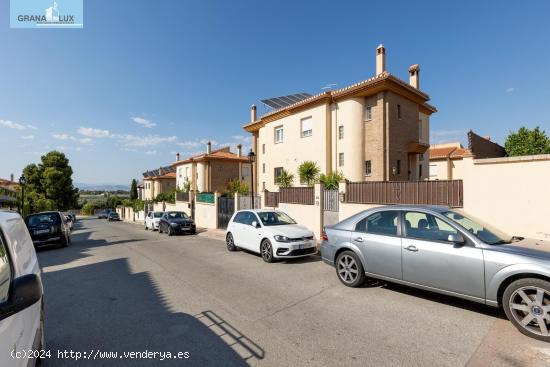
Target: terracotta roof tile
{"points": [[449, 152]]}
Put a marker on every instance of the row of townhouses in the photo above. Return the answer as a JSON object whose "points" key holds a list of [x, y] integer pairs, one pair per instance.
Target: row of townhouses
{"points": [[374, 130]]}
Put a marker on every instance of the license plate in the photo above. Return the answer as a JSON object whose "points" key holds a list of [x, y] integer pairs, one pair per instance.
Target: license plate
{"points": [[41, 231], [303, 246]]}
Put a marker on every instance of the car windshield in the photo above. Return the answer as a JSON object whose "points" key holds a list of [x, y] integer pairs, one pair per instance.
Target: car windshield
{"points": [[46, 218], [177, 215], [478, 228], [275, 218], [157, 214]]}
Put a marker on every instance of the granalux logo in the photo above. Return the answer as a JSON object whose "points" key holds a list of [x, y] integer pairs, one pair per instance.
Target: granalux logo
{"points": [[46, 14]]}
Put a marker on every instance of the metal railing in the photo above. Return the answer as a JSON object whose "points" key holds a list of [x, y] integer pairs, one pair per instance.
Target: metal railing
{"points": [[445, 192], [330, 200]]}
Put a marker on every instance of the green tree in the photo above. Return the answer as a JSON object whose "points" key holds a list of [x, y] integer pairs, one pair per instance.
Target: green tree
{"points": [[88, 209], [331, 180], [308, 172], [186, 185], [286, 179], [50, 184], [527, 142], [168, 197], [239, 186], [133, 190]]}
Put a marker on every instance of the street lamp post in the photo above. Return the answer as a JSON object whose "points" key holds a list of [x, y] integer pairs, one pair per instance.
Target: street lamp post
{"points": [[22, 182], [251, 159]]}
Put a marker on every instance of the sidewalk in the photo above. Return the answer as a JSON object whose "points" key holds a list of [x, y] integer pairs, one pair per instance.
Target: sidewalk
{"points": [[215, 234]]}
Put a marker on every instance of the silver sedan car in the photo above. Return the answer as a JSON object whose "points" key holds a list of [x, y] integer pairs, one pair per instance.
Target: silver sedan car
{"points": [[445, 250]]}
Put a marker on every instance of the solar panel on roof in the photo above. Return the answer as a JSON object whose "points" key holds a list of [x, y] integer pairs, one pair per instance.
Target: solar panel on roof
{"points": [[284, 101]]}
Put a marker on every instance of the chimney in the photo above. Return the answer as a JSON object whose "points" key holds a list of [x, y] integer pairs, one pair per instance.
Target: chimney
{"points": [[253, 115], [239, 150], [414, 77], [11, 177], [380, 59], [177, 156], [208, 147]]}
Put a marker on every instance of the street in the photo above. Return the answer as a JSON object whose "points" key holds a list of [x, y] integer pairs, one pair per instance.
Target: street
{"points": [[119, 288]]}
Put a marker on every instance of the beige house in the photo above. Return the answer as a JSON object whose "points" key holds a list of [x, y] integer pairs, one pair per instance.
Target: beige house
{"points": [[447, 160], [374, 130], [158, 181], [212, 170]]}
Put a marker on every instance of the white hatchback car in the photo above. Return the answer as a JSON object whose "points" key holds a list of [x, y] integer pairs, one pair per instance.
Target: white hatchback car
{"points": [[21, 303], [152, 220], [271, 233]]}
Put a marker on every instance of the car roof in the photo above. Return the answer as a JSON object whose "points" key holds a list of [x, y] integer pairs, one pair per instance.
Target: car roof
{"points": [[6, 215], [48, 212], [259, 210]]}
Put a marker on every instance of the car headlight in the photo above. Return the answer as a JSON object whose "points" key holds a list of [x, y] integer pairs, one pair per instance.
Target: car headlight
{"points": [[174, 224], [279, 238]]}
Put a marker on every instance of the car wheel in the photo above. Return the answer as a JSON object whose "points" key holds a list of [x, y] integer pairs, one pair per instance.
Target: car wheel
{"points": [[65, 242], [160, 228], [526, 303], [170, 231], [230, 244], [266, 251], [146, 226], [42, 345], [349, 269]]}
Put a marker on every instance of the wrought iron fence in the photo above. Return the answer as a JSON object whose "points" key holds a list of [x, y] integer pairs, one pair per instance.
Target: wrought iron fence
{"points": [[443, 192], [182, 196], [330, 200], [297, 195]]}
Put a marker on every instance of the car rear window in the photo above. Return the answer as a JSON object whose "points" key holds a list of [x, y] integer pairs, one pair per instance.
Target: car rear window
{"points": [[45, 218], [157, 214]]}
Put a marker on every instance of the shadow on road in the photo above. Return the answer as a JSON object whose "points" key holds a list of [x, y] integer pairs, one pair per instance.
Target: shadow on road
{"points": [[105, 307]]}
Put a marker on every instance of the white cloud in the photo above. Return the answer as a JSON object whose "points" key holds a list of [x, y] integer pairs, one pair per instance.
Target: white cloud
{"points": [[205, 141], [61, 136], [144, 141], [189, 144], [151, 152], [32, 127], [85, 140], [510, 89], [12, 125], [241, 138], [144, 122], [93, 133], [27, 137]]}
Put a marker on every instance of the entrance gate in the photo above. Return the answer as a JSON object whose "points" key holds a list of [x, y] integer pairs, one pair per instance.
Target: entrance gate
{"points": [[226, 208]]}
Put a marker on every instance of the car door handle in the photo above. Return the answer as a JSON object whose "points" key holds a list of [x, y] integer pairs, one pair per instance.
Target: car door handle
{"points": [[411, 248], [359, 239]]}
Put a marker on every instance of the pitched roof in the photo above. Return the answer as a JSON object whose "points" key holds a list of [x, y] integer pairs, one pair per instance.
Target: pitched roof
{"points": [[349, 91], [159, 173], [452, 152], [218, 154]]}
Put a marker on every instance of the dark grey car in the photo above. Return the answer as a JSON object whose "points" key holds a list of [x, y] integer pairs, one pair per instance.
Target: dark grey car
{"points": [[446, 251]]}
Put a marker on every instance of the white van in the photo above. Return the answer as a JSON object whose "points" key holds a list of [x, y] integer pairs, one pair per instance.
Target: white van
{"points": [[21, 303]]}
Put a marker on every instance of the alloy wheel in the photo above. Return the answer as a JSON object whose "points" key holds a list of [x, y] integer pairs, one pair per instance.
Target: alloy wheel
{"points": [[530, 307], [229, 242], [347, 269], [266, 251]]}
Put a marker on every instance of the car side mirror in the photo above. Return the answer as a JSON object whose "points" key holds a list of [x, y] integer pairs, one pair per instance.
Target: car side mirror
{"points": [[26, 291], [255, 224], [456, 238]]}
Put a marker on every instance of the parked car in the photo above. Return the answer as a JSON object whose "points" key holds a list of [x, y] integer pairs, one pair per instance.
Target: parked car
{"points": [[48, 227], [446, 251], [21, 302], [113, 216], [152, 220], [271, 233], [73, 217], [102, 214], [176, 222]]}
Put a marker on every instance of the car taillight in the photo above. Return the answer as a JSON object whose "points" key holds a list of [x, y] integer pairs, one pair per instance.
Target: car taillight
{"points": [[324, 236]]}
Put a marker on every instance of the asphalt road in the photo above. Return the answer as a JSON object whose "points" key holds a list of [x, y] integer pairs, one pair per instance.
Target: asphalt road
{"points": [[119, 288]]}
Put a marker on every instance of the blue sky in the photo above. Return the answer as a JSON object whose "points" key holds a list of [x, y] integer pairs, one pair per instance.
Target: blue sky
{"points": [[145, 79]]}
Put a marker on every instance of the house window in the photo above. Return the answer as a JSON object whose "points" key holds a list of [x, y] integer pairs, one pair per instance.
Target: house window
{"points": [[399, 111], [307, 126], [434, 170], [398, 168], [341, 159], [368, 113], [420, 171], [263, 148], [368, 168], [277, 172], [278, 134], [341, 132], [263, 167]]}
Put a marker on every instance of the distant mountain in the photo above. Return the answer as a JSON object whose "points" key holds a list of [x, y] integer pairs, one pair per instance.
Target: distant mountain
{"points": [[101, 187]]}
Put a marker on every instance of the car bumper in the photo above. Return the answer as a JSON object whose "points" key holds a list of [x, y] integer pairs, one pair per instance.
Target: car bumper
{"points": [[46, 241], [327, 253], [182, 229], [293, 250]]}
